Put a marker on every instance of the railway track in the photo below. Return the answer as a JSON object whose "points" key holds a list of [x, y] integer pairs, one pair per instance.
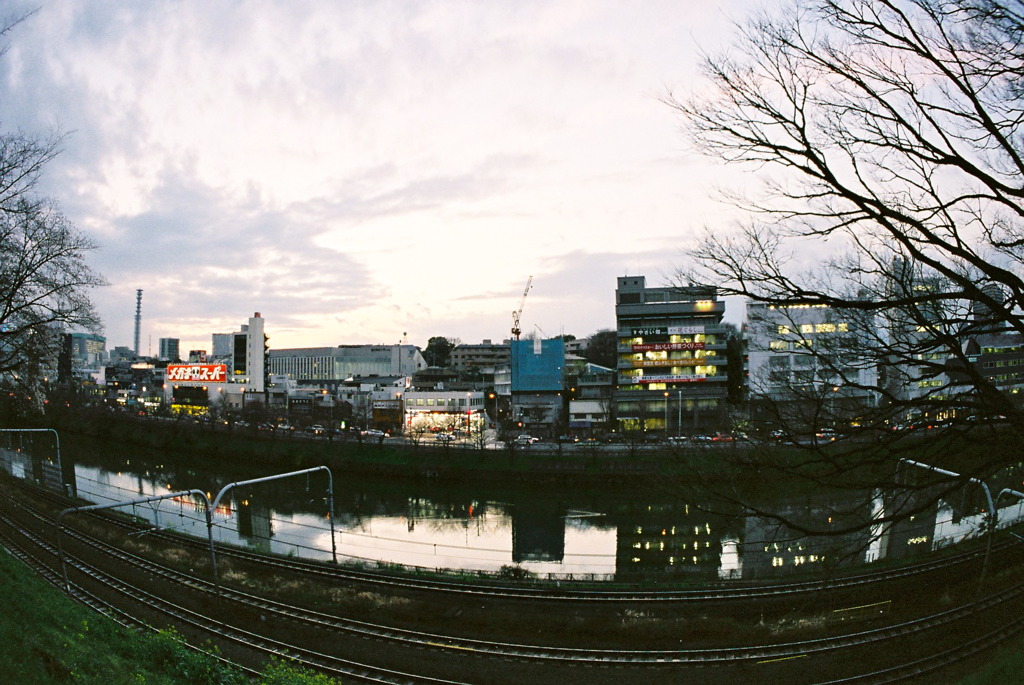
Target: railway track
{"points": [[942, 622]]}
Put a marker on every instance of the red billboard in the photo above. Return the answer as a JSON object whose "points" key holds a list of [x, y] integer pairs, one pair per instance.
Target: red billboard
{"points": [[206, 373]]}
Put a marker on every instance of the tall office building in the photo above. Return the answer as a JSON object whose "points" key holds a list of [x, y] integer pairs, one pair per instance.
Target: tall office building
{"points": [[223, 346], [249, 355], [87, 350], [169, 349], [672, 364]]}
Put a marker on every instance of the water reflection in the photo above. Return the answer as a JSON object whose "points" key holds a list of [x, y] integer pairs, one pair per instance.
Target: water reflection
{"points": [[602, 535]]}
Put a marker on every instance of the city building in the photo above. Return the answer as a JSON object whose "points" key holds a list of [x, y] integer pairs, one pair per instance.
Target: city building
{"points": [[88, 351], [375, 401], [577, 346], [590, 405], [330, 367], [170, 349], [483, 358], [808, 366], [249, 355], [672, 366], [134, 385], [431, 411], [228, 385], [538, 383], [222, 346]]}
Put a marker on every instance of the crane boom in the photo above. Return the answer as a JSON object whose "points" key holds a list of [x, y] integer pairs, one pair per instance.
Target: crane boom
{"points": [[516, 330]]}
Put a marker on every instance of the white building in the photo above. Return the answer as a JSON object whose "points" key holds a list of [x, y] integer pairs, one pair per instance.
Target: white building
{"points": [[444, 410], [810, 353], [329, 367]]}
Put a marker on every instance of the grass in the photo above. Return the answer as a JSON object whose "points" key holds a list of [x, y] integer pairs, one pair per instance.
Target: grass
{"points": [[45, 637], [1005, 666]]}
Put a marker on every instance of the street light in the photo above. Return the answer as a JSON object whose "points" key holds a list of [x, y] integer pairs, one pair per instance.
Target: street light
{"points": [[679, 423], [666, 412]]}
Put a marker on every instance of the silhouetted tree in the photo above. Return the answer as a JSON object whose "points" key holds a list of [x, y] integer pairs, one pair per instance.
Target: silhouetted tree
{"points": [[44, 278], [439, 350], [602, 349], [886, 137]]}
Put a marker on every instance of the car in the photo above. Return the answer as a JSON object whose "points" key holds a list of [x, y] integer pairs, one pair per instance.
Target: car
{"points": [[526, 440], [723, 437], [316, 429], [568, 439], [678, 439], [373, 433], [444, 438]]}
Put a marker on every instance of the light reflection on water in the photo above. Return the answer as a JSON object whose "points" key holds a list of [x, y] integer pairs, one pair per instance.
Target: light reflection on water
{"points": [[556, 538]]}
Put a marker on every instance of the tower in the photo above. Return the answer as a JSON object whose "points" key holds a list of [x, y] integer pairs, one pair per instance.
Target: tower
{"points": [[138, 318]]}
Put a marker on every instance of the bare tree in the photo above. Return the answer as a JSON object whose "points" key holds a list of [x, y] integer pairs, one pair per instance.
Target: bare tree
{"points": [[887, 140], [44, 279]]}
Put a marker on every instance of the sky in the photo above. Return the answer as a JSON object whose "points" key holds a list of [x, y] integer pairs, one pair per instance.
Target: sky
{"points": [[368, 172]]}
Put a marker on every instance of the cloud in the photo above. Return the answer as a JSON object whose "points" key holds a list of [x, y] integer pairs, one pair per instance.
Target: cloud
{"points": [[360, 170]]}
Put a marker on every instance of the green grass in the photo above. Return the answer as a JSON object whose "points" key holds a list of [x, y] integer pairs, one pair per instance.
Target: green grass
{"points": [[45, 637], [1005, 666]]}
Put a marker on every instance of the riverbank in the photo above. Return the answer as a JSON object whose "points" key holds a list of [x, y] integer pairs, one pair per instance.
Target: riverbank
{"points": [[744, 472], [389, 458]]}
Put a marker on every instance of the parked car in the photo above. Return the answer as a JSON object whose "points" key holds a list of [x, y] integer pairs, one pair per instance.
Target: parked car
{"points": [[827, 434]]}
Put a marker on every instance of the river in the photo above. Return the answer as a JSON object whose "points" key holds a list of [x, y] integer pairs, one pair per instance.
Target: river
{"points": [[593, 533]]}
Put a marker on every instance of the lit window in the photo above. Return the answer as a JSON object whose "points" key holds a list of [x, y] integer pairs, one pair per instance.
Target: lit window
{"points": [[783, 330]]}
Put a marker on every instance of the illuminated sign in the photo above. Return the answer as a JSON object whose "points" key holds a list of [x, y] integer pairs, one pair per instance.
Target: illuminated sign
{"points": [[696, 361], [667, 330], [657, 347], [212, 373], [625, 380]]}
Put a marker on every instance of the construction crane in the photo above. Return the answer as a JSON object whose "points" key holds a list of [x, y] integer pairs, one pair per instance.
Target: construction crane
{"points": [[516, 330]]}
